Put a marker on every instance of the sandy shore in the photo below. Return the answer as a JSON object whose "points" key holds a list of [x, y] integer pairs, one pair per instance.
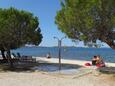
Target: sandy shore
{"points": [[40, 78], [77, 62], [46, 79]]}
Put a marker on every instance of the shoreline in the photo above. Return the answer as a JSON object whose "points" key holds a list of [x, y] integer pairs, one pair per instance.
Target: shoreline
{"points": [[68, 61]]}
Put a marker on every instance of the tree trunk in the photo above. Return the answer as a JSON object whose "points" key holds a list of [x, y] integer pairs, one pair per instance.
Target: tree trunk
{"points": [[109, 41], [3, 55], [9, 59]]}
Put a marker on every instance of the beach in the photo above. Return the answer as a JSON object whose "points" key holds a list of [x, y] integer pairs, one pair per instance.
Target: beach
{"points": [[57, 43], [47, 79], [44, 78], [64, 61]]}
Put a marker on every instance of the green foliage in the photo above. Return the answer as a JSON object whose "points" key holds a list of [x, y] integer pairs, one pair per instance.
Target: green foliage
{"points": [[88, 20], [17, 28]]}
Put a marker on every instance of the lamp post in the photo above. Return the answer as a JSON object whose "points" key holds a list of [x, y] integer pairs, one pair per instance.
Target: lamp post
{"points": [[59, 49]]}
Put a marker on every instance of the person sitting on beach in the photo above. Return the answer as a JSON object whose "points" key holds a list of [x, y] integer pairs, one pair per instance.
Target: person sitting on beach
{"points": [[100, 62], [94, 60], [48, 55]]}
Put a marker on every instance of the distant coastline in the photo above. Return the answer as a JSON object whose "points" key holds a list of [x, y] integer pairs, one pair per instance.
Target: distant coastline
{"points": [[62, 46]]}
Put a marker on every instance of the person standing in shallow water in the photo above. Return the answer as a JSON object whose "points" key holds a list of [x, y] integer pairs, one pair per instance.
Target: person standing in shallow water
{"points": [[48, 55]]}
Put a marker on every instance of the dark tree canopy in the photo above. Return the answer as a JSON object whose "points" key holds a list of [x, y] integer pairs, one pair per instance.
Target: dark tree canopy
{"points": [[17, 28], [88, 20]]}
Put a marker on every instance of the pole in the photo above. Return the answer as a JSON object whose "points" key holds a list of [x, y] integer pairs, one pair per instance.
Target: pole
{"points": [[59, 48], [59, 45]]}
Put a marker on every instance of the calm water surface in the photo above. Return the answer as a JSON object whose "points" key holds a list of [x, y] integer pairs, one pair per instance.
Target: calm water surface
{"points": [[108, 54]]}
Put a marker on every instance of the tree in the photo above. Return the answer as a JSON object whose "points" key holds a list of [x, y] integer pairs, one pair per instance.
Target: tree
{"points": [[17, 28], [88, 20]]}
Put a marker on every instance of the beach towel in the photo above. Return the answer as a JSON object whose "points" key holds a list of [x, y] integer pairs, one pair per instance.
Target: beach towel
{"points": [[100, 65], [88, 64]]}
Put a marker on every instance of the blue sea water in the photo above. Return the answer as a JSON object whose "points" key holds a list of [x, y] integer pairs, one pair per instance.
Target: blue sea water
{"points": [[108, 54]]}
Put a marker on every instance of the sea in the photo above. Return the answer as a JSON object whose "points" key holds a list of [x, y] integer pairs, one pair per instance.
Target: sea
{"points": [[73, 53]]}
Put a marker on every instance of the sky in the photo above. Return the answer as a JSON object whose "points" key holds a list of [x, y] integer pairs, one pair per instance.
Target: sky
{"points": [[45, 10]]}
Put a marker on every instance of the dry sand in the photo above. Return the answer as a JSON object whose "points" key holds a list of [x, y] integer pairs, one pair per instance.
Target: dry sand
{"points": [[40, 78], [47, 79]]}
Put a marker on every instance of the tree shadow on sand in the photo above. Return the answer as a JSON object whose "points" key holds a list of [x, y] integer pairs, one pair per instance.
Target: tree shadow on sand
{"points": [[18, 67], [52, 67], [32, 67], [107, 70]]}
